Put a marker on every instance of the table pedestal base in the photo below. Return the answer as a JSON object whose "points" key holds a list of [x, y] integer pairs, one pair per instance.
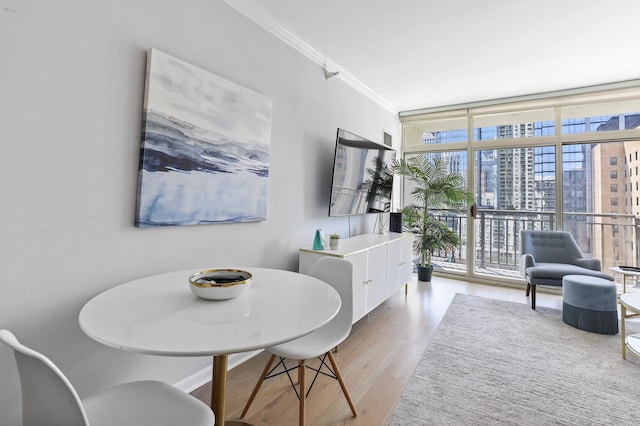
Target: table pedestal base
{"points": [[219, 387], [219, 391]]}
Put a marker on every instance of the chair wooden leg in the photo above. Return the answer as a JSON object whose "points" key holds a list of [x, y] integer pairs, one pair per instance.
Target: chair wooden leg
{"points": [[257, 387], [345, 391], [303, 396], [528, 289], [533, 296]]}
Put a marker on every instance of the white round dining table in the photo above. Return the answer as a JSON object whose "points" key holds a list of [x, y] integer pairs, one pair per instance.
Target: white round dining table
{"points": [[159, 315]]}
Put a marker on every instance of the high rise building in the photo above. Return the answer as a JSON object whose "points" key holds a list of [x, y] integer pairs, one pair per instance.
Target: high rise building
{"points": [[616, 193]]}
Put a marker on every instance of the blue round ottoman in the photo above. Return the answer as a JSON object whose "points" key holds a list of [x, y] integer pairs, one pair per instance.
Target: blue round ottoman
{"points": [[590, 304]]}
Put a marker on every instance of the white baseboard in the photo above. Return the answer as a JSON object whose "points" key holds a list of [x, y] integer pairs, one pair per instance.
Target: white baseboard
{"points": [[202, 377]]}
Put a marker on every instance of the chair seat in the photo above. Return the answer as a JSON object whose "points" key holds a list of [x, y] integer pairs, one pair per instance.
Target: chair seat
{"points": [[555, 271], [309, 346], [145, 403]]}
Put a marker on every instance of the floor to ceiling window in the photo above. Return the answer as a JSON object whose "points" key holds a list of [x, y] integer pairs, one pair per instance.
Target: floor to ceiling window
{"points": [[567, 161]]}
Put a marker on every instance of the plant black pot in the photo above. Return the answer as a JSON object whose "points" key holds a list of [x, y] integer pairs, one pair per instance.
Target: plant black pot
{"points": [[425, 273]]}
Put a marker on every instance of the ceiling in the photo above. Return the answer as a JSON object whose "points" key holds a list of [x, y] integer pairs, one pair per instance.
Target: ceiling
{"points": [[415, 54]]}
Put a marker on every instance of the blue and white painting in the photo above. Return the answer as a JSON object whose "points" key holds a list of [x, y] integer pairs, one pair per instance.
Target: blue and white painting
{"points": [[205, 148]]}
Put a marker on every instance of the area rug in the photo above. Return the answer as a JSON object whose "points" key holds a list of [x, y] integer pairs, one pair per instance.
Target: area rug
{"points": [[492, 362]]}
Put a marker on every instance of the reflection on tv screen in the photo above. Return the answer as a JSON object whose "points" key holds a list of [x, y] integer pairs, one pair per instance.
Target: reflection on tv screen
{"points": [[362, 176]]}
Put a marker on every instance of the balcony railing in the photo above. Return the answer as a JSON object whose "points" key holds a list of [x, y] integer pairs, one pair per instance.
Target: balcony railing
{"points": [[612, 238]]}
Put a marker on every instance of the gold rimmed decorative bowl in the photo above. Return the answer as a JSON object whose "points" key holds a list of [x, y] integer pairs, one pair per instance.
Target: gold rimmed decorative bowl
{"points": [[220, 284]]}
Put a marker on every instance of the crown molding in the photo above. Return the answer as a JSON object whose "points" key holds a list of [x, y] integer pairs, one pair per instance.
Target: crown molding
{"points": [[256, 13]]}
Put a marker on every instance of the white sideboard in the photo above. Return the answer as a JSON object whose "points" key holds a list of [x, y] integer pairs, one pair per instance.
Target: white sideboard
{"points": [[381, 265]]}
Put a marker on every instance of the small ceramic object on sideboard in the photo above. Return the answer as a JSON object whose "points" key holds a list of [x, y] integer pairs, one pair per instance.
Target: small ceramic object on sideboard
{"points": [[318, 240], [334, 241]]}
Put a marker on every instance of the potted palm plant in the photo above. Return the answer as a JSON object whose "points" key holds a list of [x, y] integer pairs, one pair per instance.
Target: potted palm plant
{"points": [[433, 187]]}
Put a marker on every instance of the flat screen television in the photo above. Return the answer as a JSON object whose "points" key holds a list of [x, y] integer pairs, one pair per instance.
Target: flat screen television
{"points": [[362, 176]]}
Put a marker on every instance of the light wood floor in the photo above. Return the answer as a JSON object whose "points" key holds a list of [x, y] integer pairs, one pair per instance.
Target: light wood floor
{"points": [[376, 360]]}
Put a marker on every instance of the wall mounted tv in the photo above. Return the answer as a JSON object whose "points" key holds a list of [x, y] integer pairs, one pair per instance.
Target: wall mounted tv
{"points": [[362, 176]]}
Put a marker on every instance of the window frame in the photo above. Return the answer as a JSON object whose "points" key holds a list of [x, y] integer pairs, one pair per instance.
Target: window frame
{"points": [[623, 91]]}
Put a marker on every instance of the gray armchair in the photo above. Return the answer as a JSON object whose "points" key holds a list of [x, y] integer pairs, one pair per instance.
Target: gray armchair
{"points": [[547, 256]]}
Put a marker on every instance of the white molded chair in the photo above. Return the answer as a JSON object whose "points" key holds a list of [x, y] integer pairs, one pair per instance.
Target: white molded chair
{"points": [[337, 273], [48, 398]]}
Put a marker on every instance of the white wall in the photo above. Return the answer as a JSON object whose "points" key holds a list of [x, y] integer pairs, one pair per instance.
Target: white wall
{"points": [[71, 87]]}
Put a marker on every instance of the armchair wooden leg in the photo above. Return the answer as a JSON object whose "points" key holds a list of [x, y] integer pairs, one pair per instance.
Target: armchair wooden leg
{"points": [[528, 289], [533, 296]]}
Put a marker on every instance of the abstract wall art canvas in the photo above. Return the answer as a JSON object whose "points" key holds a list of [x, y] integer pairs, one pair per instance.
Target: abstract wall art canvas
{"points": [[205, 147]]}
